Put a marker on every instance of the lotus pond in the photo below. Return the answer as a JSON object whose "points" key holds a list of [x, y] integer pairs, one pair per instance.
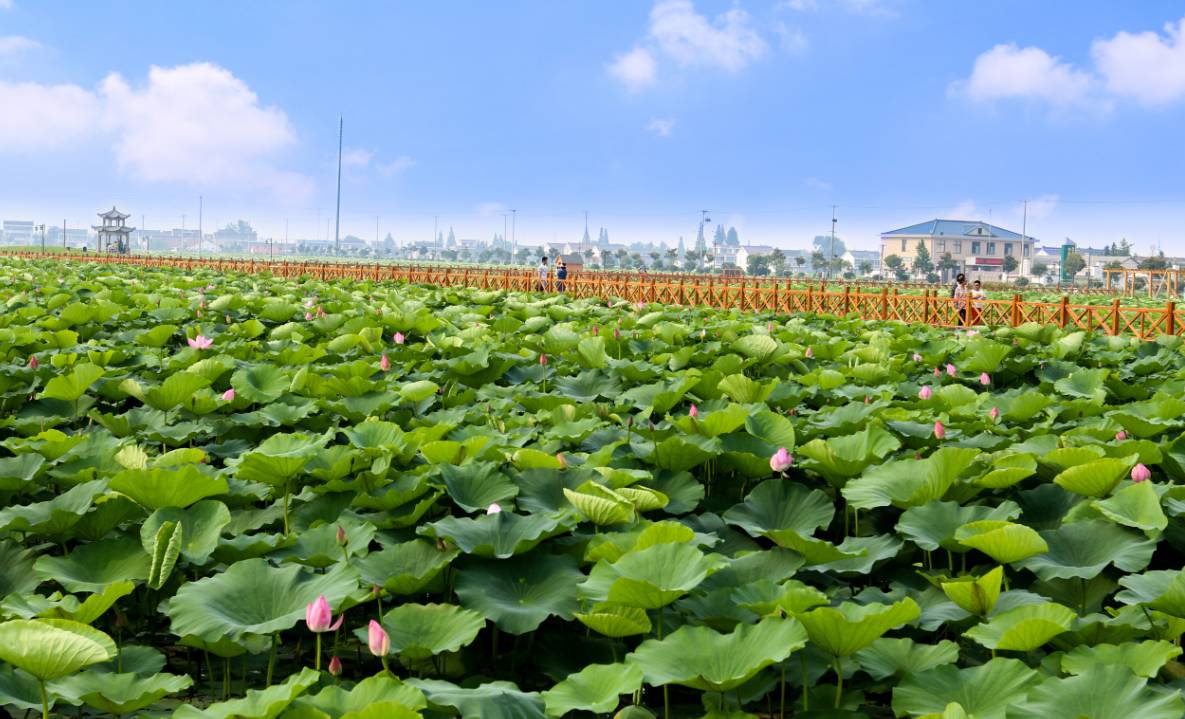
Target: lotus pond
{"points": [[239, 496]]}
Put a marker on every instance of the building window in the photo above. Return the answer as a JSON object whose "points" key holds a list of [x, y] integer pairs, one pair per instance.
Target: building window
{"points": [[991, 248], [958, 247], [942, 245], [903, 245], [975, 248], [1007, 249], [1026, 250]]}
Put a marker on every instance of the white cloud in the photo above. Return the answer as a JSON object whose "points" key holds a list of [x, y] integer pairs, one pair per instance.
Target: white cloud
{"points": [[1039, 208], [1007, 71], [13, 44], [357, 158], [491, 209], [5, 4], [195, 124], [45, 117], [729, 42], [396, 166], [799, 5], [636, 69], [661, 127], [1145, 66], [791, 40], [856, 7], [816, 184], [965, 210]]}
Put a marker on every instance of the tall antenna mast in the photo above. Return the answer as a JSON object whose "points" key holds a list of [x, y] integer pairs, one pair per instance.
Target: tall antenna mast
{"points": [[338, 219]]}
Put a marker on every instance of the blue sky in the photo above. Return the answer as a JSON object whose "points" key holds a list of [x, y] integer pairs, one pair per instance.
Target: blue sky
{"points": [[642, 113]]}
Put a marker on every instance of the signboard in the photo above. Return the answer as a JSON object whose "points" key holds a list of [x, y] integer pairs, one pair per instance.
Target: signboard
{"points": [[989, 261]]}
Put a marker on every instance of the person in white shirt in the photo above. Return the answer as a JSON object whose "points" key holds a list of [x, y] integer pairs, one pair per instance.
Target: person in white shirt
{"points": [[544, 275]]}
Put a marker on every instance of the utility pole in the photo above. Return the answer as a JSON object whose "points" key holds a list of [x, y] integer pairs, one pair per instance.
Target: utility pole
{"points": [[831, 260], [376, 233], [436, 237], [200, 201], [143, 228], [513, 237], [703, 222], [63, 233], [337, 222], [42, 237], [1024, 234]]}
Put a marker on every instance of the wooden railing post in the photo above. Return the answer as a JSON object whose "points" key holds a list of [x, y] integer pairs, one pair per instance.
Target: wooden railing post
{"points": [[847, 299], [1016, 310], [884, 303], [810, 298], [1115, 317], [1063, 314], [1170, 319]]}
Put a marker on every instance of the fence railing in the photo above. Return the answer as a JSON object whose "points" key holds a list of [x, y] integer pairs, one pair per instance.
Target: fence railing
{"points": [[932, 307]]}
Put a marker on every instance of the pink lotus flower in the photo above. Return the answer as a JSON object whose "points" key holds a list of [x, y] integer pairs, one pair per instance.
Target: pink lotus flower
{"points": [[1140, 473], [616, 334], [202, 304], [769, 326], [210, 286], [917, 357], [308, 303], [308, 316], [937, 372], [693, 412], [596, 330], [33, 362], [399, 338], [384, 363], [984, 379], [342, 539], [320, 312], [335, 667], [781, 460], [925, 392], [200, 342], [950, 370], [1120, 435], [377, 639], [229, 395], [319, 617], [543, 360], [562, 460], [994, 414], [641, 305], [939, 430], [809, 353], [494, 508]]}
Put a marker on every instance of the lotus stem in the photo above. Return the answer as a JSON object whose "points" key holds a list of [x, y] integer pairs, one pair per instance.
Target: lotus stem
{"points": [[44, 700], [271, 660], [285, 509], [317, 656], [839, 682], [782, 704], [806, 696]]}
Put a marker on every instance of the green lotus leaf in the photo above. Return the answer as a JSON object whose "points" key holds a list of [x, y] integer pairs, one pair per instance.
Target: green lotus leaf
{"points": [[1084, 384], [702, 658], [20, 691], [407, 567], [847, 628], [253, 597], [420, 631], [166, 548], [91, 567], [713, 422], [156, 487], [933, 526], [1102, 692], [814, 551], [16, 569], [679, 454], [257, 704], [1161, 589], [600, 505], [72, 386], [1064, 458], [776, 505], [261, 383], [318, 547], [201, 525], [120, 694], [1097, 478], [18, 471], [634, 711], [382, 689], [791, 597], [771, 428], [908, 482], [595, 688], [975, 595], [477, 485], [615, 621], [841, 458], [1003, 541], [157, 336], [498, 535], [592, 352], [529, 458], [757, 347], [1084, 549], [519, 593], [91, 608], [644, 499], [53, 648], [418, 391], [888, 657], [1145, 659], [743, 390], [1024, 628], [649, 578], [1007, 470], [1136, 506], [491, 700], [984, 691], [279, 458], [55, 516], [375, 434], [177, 390]]}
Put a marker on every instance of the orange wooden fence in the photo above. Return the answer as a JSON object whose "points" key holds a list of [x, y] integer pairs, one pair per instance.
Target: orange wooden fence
{"points": [[932, 307]]}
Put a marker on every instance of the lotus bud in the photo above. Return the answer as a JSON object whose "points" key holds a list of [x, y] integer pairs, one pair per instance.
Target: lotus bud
{"points": [[308, 303], [33, 362], [384, 363], [319, 617], [335, 667], [809, 353], [693, 412], [199, 313], [375, 590], [562, 460], [227, 318], [937, 372], [342, 539], [984, 379], [616, 334], [399, 338], [703, 334], [781, 460], [494, 508], [1140, 473], [950, 370], [925, 392], [995, 413], [377, 639], [939, 430], [596, 330], [543, 360], [769, 326], [229, 395], [629, 421], [917, 357], [320, 312], [308, 316], [1120, 435]]}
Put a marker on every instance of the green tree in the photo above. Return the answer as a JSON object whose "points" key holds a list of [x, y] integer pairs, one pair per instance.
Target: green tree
{"points": [[818, 261], [1074, 265], [893, 262], [799, 260], [733, 239], [1010, 264], [1154, 263], [1039, 270], [922, 264], [947, 265], [1125, 247], [757, 265], [777, 261], [865, 267], [719, 238]]}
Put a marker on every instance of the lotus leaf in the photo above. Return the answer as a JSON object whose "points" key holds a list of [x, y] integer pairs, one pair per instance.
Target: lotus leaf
{"points": [[1102, 692], [985, 691], [492, 700], [420, 631], [1024, 628], [407, 567], [596, 688], [847, 628], [1083, 549], [519, 593], [615, 621], [1003, 541], [888, 657], [91, 567], [908, 482], [1136, 506], [53, 648], [498, 535], [120, 694], [257, 704], [158, 487]]}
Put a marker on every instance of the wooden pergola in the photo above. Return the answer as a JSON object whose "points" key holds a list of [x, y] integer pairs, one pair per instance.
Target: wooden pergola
{"points": [[1158, 282]]}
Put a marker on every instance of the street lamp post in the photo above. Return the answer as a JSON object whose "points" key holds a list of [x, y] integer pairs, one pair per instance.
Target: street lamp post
{"points": [[831, 260]]}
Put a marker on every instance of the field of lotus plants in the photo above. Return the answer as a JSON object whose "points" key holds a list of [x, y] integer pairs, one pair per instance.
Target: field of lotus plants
{"points": [[240, 496]]}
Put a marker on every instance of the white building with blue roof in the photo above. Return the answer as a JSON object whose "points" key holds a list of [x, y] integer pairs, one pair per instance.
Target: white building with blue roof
{"points": [[979, 249]]}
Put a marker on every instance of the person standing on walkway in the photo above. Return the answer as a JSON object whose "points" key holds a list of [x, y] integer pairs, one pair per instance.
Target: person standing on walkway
{"points": [[960, 292], [544, 275], [977, 300], [561, 274]]}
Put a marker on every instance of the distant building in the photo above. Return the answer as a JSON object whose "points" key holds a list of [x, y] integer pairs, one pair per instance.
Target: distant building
{"points": [[75, 237], [18, 232], [872, 257], [978, 248]]}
